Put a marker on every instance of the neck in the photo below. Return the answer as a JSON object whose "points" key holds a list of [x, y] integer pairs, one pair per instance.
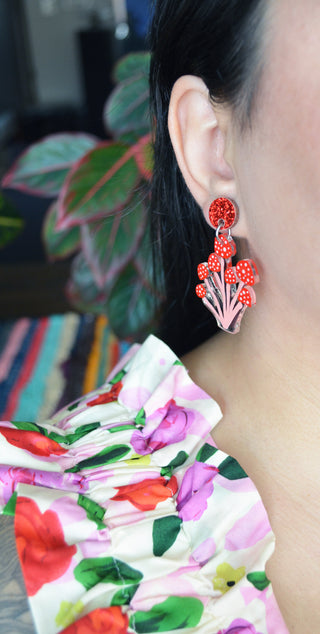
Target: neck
{"points": [[266, 379], [279, 363]]}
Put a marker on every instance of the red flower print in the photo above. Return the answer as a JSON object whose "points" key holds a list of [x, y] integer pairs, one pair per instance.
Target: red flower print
{"points": [[107, 397], [44, 555], [147, 494], [100, 621], [32, 441]]}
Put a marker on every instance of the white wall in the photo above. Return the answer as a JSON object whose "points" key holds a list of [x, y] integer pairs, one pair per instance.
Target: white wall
{"points": [[54, 53]]}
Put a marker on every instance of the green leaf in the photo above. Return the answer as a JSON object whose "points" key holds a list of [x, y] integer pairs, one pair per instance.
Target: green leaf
{"points": [[11, 223], [172, 614], [110, 244], [43, 167], [179, 459], [131, 305], [205, 453], [259, 580], [127, 109], [231, 469], [59, 244], [95, 570], [130, 65], [94, 511], [164, 533], [140, 419], [104, 457], [10, 507], [98, 185], [125, 595]]}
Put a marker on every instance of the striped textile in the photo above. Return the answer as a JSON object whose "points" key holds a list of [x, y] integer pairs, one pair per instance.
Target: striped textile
{"points": [[45, 363]]}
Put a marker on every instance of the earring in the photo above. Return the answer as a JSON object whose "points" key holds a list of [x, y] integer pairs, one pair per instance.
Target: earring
{"points": [[226, 290]]}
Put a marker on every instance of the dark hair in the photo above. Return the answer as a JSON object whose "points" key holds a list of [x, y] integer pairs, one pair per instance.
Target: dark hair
{"points": [[219, 41]]}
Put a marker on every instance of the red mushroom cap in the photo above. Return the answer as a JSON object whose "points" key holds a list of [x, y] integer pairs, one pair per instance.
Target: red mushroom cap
{"points": [[203, 272], [213, 263], [247, 296], [230, 276], [201, 291], [224, 248], [247, 272]]}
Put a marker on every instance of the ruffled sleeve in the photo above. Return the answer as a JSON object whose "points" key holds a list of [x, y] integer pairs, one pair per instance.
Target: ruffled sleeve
{"points": [[129, 519]]}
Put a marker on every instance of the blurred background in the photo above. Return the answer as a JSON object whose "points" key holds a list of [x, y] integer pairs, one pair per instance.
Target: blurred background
{"points": [[56, 61]]}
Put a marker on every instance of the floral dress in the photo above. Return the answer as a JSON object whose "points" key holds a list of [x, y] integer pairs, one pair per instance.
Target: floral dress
{"points": [[129, 519]]}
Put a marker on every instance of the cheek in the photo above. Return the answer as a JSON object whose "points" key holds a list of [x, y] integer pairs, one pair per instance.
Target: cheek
{"points": [[281, 216]]}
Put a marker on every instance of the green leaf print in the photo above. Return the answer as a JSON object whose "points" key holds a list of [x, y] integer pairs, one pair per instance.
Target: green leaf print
{"points": [[116, 428], [25, 426], [118, 377], [74, 406], [80, 432], [179, 459], [10, 507], [178, 362], [231, 469], [259, 579], [104, 457], [94, 511], [140, 419], [164, 533], [172, 614], [205, 452], [95, 570], [124, 596]]}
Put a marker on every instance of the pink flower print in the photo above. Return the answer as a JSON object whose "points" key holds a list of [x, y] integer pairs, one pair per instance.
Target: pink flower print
{"points": [[248, 530], [204, 552], [173, 425], [196, 488], [240, 626]]}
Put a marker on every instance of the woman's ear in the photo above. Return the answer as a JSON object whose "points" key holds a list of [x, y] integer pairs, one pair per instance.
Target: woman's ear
{"points": [[201, 137]]}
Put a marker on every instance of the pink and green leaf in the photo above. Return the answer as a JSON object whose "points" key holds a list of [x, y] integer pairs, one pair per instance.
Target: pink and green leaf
{"points": [[109, 244], [144, 156], [82, 291], [127, 109], [43, 167], [131, 306], [131, 65], [59, 244], [98, 185], [11, 223]]}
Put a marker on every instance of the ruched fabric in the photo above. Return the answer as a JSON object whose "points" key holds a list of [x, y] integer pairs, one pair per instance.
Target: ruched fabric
{"points": [[128, 518]]}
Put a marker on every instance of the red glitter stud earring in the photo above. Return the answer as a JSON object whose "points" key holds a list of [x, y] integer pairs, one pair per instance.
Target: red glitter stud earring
{"points": [[226, 290]]}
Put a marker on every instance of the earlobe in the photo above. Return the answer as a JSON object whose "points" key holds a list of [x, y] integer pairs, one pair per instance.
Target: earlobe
{"points": [[199, 135]]}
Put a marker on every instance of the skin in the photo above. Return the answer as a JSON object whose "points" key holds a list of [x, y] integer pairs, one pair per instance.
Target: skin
{"points": [[266, 378]]}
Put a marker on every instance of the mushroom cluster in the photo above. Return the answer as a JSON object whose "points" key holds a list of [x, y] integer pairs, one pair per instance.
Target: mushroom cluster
{"points": [[226, 290]]}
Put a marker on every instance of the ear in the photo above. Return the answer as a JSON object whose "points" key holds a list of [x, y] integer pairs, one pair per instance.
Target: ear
{"points": [[201, 137]]}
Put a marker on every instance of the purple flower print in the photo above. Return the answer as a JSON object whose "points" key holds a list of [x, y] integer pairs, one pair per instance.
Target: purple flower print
{"points": [[196, 488], [167, 425], [240, 626]]}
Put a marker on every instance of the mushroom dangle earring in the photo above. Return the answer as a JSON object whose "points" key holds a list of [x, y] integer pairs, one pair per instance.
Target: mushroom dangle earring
{"points": [[226, 290]]}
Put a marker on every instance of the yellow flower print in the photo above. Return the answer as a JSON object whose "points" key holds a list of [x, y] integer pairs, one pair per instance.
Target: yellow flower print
{"points": [[227, 577], [68, 613], [139, 461]]}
